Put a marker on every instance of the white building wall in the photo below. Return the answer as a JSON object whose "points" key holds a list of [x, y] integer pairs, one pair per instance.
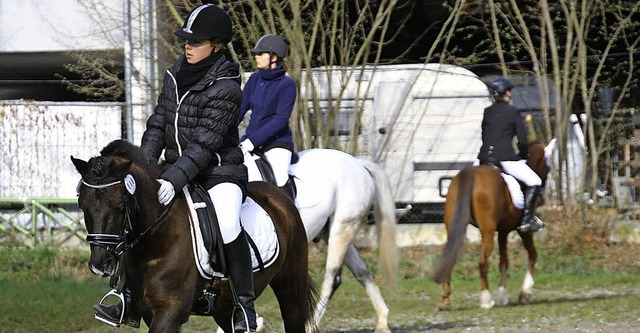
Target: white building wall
{"points": [[37, 140]]}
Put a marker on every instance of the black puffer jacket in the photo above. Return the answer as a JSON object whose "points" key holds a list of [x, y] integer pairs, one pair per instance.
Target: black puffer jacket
{"points": [[501, 122], [199, 130]]}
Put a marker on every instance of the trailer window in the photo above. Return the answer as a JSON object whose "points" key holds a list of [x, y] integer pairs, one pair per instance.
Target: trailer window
{"points": [[342, 123]]}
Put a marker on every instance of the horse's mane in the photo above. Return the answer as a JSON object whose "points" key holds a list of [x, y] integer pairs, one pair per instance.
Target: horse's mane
{"points": [[124, 149]]}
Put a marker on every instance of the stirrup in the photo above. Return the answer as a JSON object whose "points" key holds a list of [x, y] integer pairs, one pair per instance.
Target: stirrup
{"points": [[243, 325], [526, 227], [109, 321]]}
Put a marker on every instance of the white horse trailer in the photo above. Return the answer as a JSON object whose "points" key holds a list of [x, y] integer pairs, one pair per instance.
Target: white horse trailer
{"points": [[421, 122]]}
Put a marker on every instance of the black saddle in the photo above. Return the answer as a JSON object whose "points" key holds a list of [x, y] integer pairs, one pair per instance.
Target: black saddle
{"points": [[490, 161], [267, 171], [210, 229]]}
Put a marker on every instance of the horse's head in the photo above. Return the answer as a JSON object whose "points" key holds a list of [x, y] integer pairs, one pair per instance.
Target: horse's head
{"points": [[106, 195]]}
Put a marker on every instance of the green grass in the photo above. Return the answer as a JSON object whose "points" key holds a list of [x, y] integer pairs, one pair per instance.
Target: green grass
{"points": [[595, 289]]}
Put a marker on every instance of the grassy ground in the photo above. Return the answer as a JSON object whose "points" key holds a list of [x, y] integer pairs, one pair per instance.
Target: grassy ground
{"points": [[583, 284]]}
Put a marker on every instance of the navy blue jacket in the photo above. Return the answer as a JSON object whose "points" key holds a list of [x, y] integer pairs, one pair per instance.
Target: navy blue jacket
{"points": [[501, 122], [270, 95]]}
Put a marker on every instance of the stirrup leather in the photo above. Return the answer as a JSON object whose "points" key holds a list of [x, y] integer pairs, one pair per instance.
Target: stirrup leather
{"points": [[108, 321]]}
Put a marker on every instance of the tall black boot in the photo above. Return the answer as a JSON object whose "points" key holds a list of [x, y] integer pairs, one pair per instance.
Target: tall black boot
{"points": [[529, 222], [112, 313], [240, 271], [289, 188]]}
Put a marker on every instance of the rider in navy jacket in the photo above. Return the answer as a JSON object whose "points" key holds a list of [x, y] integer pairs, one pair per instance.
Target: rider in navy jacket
{"points": [[270, 112], [271, 96]]}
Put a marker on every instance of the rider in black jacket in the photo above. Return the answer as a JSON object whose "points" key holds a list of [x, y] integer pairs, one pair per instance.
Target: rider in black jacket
{"points": [[196, 124], [500, 124]]}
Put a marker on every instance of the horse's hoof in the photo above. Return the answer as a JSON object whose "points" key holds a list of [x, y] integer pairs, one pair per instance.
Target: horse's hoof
{"points": [[444, 307], [501, 297], [488, 306], [262, 325], [525, 298], [485, 300]]}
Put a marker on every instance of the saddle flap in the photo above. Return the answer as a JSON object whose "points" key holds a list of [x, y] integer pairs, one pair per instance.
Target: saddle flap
{"points": [[208, 224]]}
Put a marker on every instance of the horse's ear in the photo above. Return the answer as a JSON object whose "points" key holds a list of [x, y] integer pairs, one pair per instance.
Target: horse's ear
{"points": [[550, 147], [81, 166], [120, 166]]}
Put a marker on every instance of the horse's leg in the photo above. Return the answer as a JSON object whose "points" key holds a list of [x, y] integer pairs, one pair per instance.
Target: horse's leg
{"points": [[223, 319], [527, 285], [445, 302], [360, 271], [341, 235], [485, 252], [167, 320], [501, 296]]}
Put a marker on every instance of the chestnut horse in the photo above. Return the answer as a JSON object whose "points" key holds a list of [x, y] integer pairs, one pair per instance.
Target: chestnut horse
{"points": [[127, 226], [479, 195]]}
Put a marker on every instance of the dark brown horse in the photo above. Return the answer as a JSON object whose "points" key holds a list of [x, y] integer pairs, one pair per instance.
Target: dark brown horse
{"points": [[479, 195], [156, 251]]}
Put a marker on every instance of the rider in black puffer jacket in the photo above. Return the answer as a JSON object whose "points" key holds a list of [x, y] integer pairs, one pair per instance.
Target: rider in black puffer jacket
{"points": [[208, 156], [196, 123]]}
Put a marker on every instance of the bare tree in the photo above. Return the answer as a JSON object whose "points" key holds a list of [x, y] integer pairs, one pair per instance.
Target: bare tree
{"points": [[335, 37], [569, 42]]}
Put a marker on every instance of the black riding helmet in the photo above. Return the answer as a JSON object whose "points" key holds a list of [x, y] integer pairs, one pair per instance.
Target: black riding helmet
{"points": [[272, 44], [500, 86], [207, 22]]}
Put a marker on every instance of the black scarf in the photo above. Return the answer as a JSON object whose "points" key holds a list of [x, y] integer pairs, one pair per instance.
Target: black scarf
{"points": [[189, 74]]}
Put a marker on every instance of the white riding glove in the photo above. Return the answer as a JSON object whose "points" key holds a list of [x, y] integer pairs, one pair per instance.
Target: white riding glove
{"points": [[246, 146], [166, 192]]}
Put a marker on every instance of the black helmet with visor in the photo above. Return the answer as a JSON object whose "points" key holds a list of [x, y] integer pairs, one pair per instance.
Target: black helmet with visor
{"points": [[272, 44], [207, 22]]}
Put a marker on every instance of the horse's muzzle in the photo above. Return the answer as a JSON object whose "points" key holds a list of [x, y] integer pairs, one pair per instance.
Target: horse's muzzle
{"points": [[101, 263]]}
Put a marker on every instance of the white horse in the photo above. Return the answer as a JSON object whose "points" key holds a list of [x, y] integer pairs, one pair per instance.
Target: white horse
{"points": [[335, 193]]}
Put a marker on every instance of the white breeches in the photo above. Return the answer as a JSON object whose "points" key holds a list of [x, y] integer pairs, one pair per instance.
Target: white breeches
{"points": [[279, 158], [227, 200], [522, 172]]}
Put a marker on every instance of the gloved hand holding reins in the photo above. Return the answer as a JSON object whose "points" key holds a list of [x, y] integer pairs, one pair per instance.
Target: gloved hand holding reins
{"points": [[166, 192]]}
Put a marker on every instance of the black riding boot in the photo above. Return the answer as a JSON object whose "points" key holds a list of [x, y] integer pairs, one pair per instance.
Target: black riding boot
{"points": [[289, 189], [113, 312], [240, 271], [529, 221]]}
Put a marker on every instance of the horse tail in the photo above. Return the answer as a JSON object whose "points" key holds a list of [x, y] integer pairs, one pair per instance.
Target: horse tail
{"points": [[313, 297], [457, 224], [298, 262], [385, 214]]}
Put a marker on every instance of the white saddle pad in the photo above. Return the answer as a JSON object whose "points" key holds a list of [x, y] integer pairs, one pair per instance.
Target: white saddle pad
{"points": [[514, 188], [255, 221]]}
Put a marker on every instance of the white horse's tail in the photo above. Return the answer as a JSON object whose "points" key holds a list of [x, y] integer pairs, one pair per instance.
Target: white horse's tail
{"points": [[385, 215]]}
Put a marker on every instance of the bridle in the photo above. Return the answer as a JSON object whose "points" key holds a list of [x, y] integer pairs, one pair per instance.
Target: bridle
{"points": [[118, 244]]}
